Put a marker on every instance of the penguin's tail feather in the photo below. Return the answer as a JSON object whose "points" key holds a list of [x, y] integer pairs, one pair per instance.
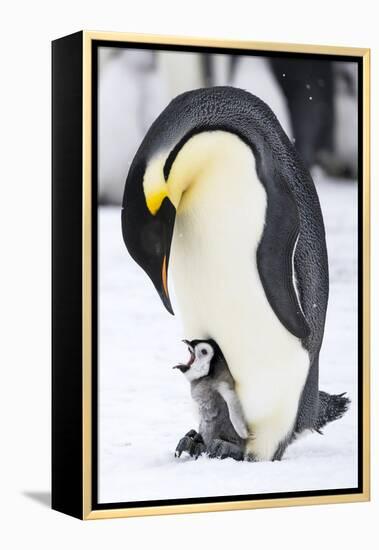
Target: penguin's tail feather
{"points": [[331, 408]]}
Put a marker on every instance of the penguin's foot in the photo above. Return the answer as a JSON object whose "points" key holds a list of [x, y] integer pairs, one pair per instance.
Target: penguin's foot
{"points": [[218, 448], [249, 457], [192, 443]]}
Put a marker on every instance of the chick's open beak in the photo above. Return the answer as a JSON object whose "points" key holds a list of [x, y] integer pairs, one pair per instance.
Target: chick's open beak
{"points": [[185, 366]]}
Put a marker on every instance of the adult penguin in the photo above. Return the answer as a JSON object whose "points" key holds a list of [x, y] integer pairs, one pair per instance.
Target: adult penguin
{"points": [[217, 192]]}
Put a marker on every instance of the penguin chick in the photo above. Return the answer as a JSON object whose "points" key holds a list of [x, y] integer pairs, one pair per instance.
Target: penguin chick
{"points": [[222, 427]]}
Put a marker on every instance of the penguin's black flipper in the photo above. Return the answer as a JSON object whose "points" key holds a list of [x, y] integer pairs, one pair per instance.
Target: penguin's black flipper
{"points": [[331, 407], [276, 254]]}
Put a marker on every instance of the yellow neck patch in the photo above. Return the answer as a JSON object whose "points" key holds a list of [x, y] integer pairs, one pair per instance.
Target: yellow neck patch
{"points": [[155, 199], [198, 156]]}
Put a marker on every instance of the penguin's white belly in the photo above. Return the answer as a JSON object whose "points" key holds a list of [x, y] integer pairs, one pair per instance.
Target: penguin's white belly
{"points": [[219, 224]]}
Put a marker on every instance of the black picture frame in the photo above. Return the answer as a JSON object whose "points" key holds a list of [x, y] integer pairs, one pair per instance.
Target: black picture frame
{"points": [[74, 274]]}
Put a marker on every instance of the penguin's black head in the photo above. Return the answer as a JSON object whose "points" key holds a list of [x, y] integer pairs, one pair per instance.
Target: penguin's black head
{"points": [[210, 345], [202, 355], [147, 230], [159, 176]]}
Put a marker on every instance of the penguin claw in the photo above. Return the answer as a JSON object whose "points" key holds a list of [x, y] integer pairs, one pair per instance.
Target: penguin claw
{"points": [[198, 450], [192, 443], [183, 446]]}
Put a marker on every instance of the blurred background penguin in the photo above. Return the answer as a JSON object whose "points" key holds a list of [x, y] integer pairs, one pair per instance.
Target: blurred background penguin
{"points": [[314, 100]]}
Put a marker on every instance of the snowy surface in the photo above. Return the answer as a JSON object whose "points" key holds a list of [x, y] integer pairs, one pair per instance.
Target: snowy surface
{"points": [[145, 406]]}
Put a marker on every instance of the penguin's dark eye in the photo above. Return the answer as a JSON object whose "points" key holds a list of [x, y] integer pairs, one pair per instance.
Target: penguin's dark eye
{"points": [[204, 351]]}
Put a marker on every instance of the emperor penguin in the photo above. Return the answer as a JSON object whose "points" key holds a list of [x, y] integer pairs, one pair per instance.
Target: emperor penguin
{"points": [[222, 428], [218, 197]]}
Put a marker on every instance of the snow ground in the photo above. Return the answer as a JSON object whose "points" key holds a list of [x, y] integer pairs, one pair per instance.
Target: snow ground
{"points": [[145, 406]]}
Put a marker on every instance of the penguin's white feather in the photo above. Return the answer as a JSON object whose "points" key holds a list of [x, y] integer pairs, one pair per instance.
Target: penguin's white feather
{"points": [[294, 280], [234, 408]]}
